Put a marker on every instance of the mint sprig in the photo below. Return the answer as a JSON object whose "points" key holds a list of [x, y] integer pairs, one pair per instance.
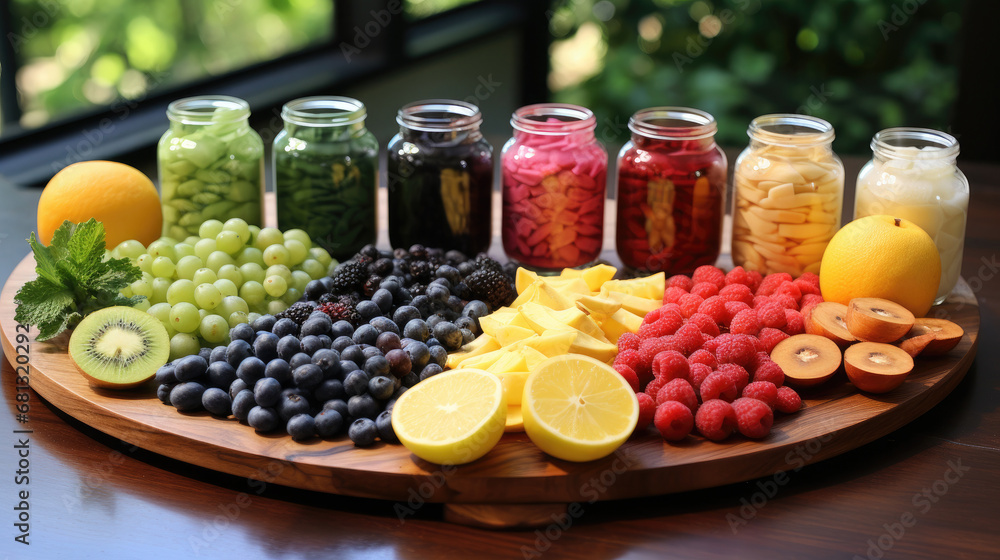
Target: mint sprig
{"points": [[73, 280]]}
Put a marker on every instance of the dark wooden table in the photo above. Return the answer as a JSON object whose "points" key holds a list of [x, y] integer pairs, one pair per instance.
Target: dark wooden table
{"points": [[928, 490]]}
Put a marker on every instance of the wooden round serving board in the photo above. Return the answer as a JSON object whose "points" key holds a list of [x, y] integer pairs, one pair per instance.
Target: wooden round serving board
{"points": [[515, 484]]}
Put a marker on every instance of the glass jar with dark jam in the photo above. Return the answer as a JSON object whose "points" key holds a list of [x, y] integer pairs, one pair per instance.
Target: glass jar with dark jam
{"points": [[440, 178], [671, 191]]}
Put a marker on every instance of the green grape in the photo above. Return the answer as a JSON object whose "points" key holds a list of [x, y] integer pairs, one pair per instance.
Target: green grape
{"points": [[147, 277], [254, 232], [252, 271], [168, 240], [145, 262], [313, 268], [202, 313], [276, 306], [279, 270], [291, 296], [183, 250], [275, 286], [191, 240], [297, 252], [268, 236], [142, 288], [205, 247], [232, 304], [183, 344], [299, 280], [204, 276], [184, 317], [226, 287], [252, 292], [187, 266], [321, 255], [218, 259], [142, 305], [163, 267], [238, 317], [232, 273], [160, 288], [207, 296], [250, 255], [180, 291], [209, 229], [229, 242], [161, 248], [161, 311], [214, 329], [253, 317], [239, 227], [130, 249], [126, 291], [300, 236], [277, 254]]}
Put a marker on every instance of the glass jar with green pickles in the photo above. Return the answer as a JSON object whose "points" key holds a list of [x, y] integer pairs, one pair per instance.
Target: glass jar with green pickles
{"points": [[325, 173], [210, 164]]}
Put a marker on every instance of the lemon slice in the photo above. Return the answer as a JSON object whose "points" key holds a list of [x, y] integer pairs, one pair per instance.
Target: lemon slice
{"points": [[451, 418], [577, 408]]}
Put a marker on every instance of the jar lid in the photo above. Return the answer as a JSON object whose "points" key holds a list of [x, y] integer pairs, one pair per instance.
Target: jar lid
{"points": [[320, 111], [205, 109], [553, 119], [436, 115], [905, 142], [790, 130], [673, 123]]}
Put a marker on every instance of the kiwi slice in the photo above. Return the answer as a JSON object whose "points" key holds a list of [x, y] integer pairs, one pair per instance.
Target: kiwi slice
{"points": [[119, 347]]}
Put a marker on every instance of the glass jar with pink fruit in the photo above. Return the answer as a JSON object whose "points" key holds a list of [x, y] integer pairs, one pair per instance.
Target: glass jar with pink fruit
{"points": [[554, 173]]}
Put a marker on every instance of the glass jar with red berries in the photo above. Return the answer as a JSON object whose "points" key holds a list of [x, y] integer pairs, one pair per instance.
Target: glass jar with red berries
{"points": [[671, 191], [554, 173]]}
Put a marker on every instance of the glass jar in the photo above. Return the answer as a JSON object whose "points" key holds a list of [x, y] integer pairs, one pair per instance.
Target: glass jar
{"points": [[326, 173], [788, 195], [671, 191], [440, 178], [554, 173], [913, 175], [210, 164]]}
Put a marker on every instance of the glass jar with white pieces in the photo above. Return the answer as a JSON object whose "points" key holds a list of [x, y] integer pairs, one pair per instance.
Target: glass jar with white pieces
{"points": [[788, 195], [913, 175]]}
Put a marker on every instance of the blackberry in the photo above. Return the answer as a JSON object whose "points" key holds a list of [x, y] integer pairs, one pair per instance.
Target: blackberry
{"points": [[454, 257], [298, 312], [418, 251], [510, 269], [372, 285], [417, 289], [338, 311], [483, 261], [350, 276], [492, 286], [422, 271], [382, 267]]}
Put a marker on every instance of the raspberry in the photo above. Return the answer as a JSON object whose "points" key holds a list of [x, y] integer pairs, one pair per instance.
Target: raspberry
{"points": [[715, 308], [688, 338], [771, 315], [628, 341], [630, 358], [705, 289], [699, 372], [763, 391], [758, 359], [715, 420], [786, 301], [770, 371], [735, 349], [703, 357], [810, 279], [629, 375], [689, 304], [710, 345], [652, 316], [670, 364], [651, 330], [736, 292], [794, 323], [787, 400], [811, 299], [680, 281], [718, 385], [805, 287], [738, 275], [732, 308], [673, 294], [654, 387], [709, 273], [678, 390], [771, 283], [791, 290], [669, 320], [759, 301], [738, 374], [755, 280], [674, 420], [753, 417], [647, 410], [705, 324], [649, 348], [745, 322], [769, 338]]}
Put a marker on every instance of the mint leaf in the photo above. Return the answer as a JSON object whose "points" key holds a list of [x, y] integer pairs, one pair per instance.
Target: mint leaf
{"points": [[45, 263], [86, 249]]}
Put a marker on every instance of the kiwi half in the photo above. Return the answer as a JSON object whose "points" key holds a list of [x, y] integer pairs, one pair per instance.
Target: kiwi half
{"points": [[119, 347]]}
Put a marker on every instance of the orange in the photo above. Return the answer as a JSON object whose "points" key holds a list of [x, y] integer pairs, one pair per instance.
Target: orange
{"points": [[117, 195], [883, 257]]}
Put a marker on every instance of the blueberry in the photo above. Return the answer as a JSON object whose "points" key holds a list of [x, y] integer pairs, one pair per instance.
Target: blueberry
{"points": [[221, 374], [475, 309], [368, 309], [388, 341], [417, 329], [381, 387], [243, 402], [404, 314], [329, 361], [265, 346], [280, 370], [376, 366], [314, 290], [370, 352], [166, 374], [205, 353], [307, 376], [250, 370], [342, 342], [292, 404], [186, 397], [163, 392], [467, 336], [310, 344], [342, 328], [419, 354], [340, 405], [347, 366], [467, 323], [237, 351], [293, 391], [362, 432], [439, 356], [299, 359], [449, 273], [263, 419], [410, 379], [267, 391], [236, 386], [438, 292], [383, 422], [362, 406], [264, 323], [423, 305], [190, 367], [285, 327], [384, 325], [366, 334], [455, 305], [330, 389], [399, 362], [399, 393], [356, 383], [288, 346], [217, 401], [353, 353], [449, 335], [383, 299], [440, 282], [329, 423], [430, 370], [242, 331], [218, 354], [433, 320], [433, 342], [301, 427], [316, 325]]}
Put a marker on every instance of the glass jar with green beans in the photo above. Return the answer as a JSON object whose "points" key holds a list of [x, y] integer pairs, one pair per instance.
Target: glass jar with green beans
{"points": [[210, 164], [325, 173]]}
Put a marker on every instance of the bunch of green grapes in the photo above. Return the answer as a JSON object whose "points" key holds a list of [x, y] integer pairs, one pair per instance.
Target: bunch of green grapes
{"points": [[230, 273]]}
